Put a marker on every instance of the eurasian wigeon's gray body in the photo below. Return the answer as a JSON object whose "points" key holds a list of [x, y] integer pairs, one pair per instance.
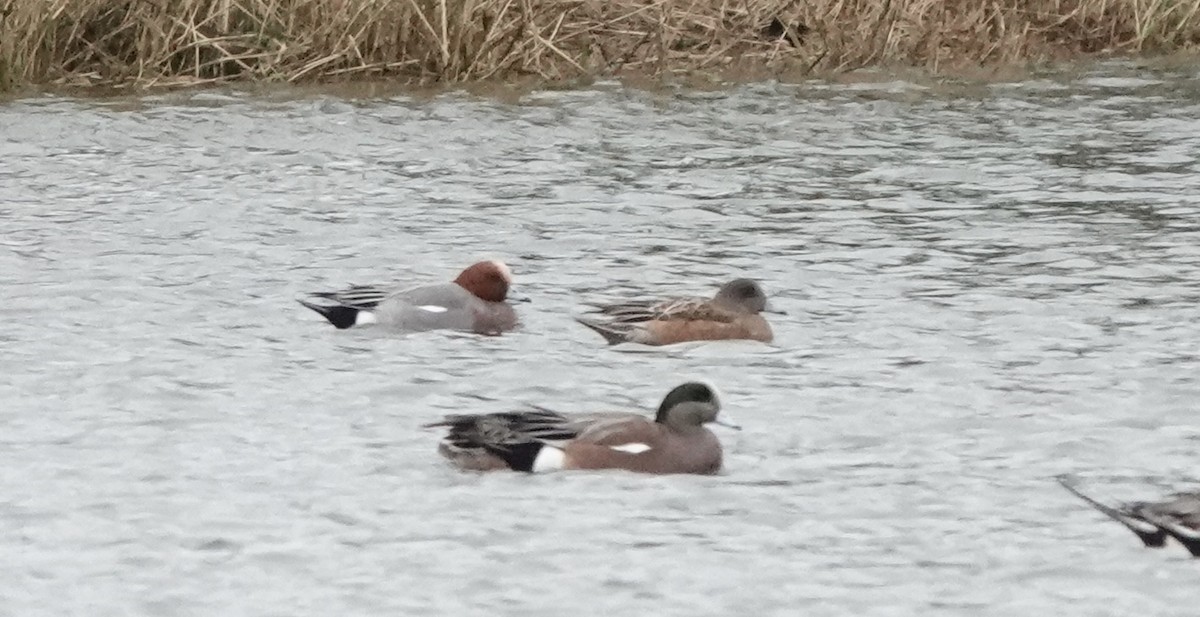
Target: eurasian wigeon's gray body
{"points": [[1153, 522], [675, 441], [474, 301], [733, 313]]}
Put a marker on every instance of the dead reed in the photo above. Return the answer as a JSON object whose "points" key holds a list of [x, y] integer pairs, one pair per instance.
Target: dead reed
{"points": [[147, 43]]}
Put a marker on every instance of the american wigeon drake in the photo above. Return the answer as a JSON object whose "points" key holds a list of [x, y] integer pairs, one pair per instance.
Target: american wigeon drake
{"points": [[733, 313], [474, 301], [1153, 522], [675, 441]]}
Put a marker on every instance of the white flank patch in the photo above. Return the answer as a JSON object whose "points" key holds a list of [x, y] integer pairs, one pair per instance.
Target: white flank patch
{"points": [[549, 458], [632, 448], [432, 308], [364, 317]]}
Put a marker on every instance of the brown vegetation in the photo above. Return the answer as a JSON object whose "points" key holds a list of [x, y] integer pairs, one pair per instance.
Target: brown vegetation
{"points": [[145, 43]]}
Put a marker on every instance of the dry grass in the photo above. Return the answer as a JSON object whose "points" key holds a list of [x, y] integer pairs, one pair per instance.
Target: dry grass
{"points": [[146, 43]]}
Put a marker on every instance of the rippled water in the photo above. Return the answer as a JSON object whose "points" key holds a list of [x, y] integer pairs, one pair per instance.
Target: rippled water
{"points": [[986, 287]]}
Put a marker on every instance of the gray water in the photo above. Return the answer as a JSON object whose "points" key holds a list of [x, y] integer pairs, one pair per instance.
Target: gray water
{"points": [[986, 286]]}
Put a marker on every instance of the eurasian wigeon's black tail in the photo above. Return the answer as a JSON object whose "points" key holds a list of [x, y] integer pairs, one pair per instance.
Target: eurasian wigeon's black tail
{"points": [[614, 334], [341, 317]]}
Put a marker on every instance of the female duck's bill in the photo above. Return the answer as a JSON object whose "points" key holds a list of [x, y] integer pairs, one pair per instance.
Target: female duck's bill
{"points": [[1153, 521], [540, 440], [474, 301]]}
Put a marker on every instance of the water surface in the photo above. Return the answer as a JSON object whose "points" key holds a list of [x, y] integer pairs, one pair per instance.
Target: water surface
{"points": [[985, 287]]}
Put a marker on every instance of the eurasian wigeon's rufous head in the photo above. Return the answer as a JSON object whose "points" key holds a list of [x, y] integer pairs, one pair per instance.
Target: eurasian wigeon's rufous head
{"points": [[733, 313], [474, 301], [675, 441], [487, 280]]}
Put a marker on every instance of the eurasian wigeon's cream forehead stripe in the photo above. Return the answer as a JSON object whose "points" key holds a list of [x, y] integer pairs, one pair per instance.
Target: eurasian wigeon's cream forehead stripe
{"points": [[1176, 517], [504, 271], [734, 312], [474, 301], [540, 440]]}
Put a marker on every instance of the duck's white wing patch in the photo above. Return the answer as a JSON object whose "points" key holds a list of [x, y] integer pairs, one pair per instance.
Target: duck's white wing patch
{"points": [[632, 448], [549, 458], [364, 317], [432, 308]]}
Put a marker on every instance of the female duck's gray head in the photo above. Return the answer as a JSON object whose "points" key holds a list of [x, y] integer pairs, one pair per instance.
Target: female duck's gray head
{"points": [[743, 295], [691, 405]]}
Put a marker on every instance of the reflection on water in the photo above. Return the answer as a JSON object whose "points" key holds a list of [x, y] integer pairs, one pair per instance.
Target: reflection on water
{"points": [[984, 288]]}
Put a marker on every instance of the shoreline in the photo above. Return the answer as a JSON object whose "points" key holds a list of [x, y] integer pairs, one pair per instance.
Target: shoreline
{"points": [[915, 82], [131, 46]]}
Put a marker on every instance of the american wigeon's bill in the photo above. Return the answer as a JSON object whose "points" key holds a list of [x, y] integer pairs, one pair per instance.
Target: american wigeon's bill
{"points": [[733, 313], [475, 301], [541, 440], [1153, 522]]}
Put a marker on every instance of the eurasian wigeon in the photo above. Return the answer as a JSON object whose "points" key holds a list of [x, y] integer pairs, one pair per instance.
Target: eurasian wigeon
{"points": [[475, 302], [734, 313], [675, 441], [1154, 521]]}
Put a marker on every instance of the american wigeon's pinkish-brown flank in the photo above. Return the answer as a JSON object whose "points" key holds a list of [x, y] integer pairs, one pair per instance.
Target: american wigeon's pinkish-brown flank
{"points": [[1153, 522], [540, 440], [733, 313], [474, 301]]}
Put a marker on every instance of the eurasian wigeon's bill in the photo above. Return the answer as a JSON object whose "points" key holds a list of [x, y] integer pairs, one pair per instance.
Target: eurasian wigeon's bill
{"points": [[1153, 522], [675, 441], [733, 313], [475, 301]]}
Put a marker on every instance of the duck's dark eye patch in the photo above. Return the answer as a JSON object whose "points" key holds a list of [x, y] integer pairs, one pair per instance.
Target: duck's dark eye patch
{"points": [[699, 393]]}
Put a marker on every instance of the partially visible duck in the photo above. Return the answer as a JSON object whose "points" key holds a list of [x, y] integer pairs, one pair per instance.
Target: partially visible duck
{"points": [[1177, 516]]}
